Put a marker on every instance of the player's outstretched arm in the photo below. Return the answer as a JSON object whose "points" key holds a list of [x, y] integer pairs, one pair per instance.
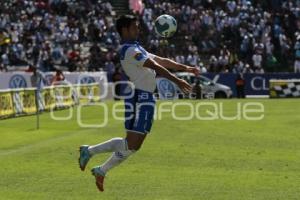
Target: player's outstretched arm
{"points": [[159, 69], [171, 64]]}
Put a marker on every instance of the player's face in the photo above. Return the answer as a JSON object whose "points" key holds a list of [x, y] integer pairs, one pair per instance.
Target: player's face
{"points": [[134, 30]]}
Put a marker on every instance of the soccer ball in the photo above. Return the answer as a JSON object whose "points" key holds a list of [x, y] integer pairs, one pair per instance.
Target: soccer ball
{"points": [[165, 26]]}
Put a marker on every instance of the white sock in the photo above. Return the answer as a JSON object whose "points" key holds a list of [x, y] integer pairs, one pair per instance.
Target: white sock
{"points": [[112, 145], [115, 159]]}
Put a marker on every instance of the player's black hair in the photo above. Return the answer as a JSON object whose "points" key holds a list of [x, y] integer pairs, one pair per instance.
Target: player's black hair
{"points": [[124, 21]]}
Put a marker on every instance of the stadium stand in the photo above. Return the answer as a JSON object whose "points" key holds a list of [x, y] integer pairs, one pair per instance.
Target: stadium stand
{"points": [[218, 36], [230, 36], [71, 35]]}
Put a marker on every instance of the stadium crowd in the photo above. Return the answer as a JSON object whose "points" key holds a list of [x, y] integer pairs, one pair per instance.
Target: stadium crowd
{"points": [[240, 36], [71, 35], [230, 36]]}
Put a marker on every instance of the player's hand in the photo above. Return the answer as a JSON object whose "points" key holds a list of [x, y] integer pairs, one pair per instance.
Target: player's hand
{"points": [[194, 70], [184, 86]]}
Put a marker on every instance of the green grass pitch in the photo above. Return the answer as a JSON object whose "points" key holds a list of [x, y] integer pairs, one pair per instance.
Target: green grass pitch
{"points": [[186, 160]]}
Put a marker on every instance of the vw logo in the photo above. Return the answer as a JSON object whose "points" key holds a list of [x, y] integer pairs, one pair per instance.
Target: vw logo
{"points": [[166, 88], [17, 81], [86, 80]]}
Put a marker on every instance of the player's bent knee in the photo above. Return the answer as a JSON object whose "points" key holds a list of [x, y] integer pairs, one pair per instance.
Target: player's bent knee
{"points": [[134, 147], [134, 140], [125, 154]]}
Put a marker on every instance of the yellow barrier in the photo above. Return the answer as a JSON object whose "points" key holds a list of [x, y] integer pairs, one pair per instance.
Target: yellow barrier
{"points": [[23, 101], [28, 98], [6, 104], [67, 94], [88, 93], [96, 93], [48, 99]]}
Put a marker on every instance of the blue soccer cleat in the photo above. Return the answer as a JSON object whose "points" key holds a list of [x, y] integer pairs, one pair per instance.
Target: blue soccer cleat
{"points": [[99, 176], [84, 156]]}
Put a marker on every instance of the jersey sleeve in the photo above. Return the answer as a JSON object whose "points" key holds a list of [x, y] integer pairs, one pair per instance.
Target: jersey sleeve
{"points": [[136, 56], [152, 56]]}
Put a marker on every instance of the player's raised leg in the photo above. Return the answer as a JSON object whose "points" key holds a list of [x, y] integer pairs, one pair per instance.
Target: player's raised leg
{"points": [[84, 156], [112, 145], [135, 140]]}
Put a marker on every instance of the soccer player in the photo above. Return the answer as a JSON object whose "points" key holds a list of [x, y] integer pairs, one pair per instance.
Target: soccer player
{"points": [[141, 68]]}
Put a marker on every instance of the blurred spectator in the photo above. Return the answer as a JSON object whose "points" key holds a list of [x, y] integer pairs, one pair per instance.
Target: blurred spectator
{"points": [[34, 76], [202, 68], [250, 29], [4, 61], [240, 86], [136, 6], [257, 61], [247, 69], [213, 63], [238, 67], [48, 33], [58, 78], [109, 67], [37, 78], [297, 65], [197, 89], [116, 77]]}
